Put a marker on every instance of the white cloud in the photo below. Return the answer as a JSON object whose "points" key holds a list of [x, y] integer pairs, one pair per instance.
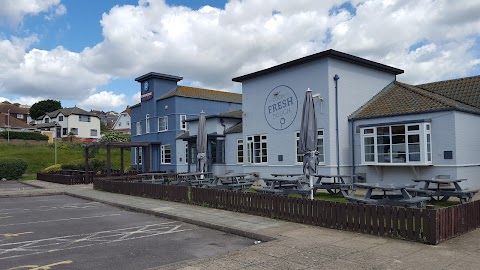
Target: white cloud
{"points": [[12, 12], [58, 11], [104, 100], [430, 40], [136, 98]]}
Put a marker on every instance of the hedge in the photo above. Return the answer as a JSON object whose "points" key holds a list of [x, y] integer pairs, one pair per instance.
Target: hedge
{"points": [[94, 164], [12, 168], [20, 135]]}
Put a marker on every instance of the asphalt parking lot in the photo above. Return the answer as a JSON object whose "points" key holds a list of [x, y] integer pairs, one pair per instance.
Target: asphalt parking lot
{"points": [[13, 185], [62, 232]]}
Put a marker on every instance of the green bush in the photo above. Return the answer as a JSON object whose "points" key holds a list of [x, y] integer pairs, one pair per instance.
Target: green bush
{"points": [[19, 135], [53, 168], [115, 136], [94, 164], [11, 168]]}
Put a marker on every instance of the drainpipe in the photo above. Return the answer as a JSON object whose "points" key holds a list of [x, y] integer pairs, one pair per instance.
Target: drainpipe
{"points": [[352, 130], [336, 78]]}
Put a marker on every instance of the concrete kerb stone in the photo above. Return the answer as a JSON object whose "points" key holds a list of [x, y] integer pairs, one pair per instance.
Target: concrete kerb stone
{"points": [[243, 233]]}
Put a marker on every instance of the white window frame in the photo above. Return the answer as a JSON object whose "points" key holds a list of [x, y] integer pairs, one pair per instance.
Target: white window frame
{"points": [[164, 160], [254, 147], [72, 129], [186, 152], [147, 123], [320, 147], [93, 131], [20, 116], [240, 144], [165, 125], [412, 149], [138, 155], [183, 123], [138, 128], [60, 120]]}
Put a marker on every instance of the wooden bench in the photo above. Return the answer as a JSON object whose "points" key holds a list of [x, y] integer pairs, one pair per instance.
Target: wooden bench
{"points": [[356, 199], [269, 190]]}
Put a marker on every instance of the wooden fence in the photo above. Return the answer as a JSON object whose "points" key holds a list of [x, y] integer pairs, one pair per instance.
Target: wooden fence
{"points": [[65, 179], [430, 226]]}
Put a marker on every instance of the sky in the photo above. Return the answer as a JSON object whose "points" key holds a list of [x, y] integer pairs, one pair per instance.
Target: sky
{"points": [[87, 53]]}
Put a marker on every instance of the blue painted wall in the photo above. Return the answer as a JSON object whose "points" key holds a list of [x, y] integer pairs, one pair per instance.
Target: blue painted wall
{"points": [[172, 107]]}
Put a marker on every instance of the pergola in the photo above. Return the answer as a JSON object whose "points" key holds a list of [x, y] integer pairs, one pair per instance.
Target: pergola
{"points": [[122, 145]]}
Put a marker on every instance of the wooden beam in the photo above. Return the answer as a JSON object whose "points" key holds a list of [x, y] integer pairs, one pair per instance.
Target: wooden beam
{"points": [[109, 161], [121, 162]]}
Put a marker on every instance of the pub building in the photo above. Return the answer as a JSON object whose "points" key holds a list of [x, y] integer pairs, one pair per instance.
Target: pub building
{"points": [[369, 124]]}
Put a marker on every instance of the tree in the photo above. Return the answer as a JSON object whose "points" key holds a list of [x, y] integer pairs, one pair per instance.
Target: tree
{"points": [[44, 106]]}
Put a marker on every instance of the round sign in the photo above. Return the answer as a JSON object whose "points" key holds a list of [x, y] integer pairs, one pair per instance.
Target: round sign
{"points": [[281, 107]]}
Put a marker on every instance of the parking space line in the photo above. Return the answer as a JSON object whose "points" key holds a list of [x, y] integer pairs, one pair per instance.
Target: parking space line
{"points": [[8, 235], [55, 220], [43, 267], [25, 248], [50, 208], [6, 217]]}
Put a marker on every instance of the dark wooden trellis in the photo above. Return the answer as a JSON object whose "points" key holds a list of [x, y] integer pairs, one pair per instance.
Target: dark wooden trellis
{"points": [[122, 145]]}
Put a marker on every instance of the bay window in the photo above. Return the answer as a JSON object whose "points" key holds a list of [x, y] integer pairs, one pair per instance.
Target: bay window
{"points": [[397, 144]]}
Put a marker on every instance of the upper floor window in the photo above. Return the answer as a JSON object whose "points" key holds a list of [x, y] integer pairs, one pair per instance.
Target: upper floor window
{"points": [[147, 123], [47, 120], [60, 118], [397, 144], [320, 149], [20, 116], [163, 123], [183, 123], [257, 149], [139, 128], [84, 118]]}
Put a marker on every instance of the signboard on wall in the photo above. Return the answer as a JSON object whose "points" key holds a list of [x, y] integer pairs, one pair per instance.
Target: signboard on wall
{"points": [[281, 107], [146, 96]]}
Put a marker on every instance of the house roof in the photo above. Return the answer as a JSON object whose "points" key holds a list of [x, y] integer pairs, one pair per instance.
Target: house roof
{"points": [[128, 111], [238, 128], [325, 54], [68, 112], [155, 75], [13, 122], [237, 114], [5, 106], [47, 125], [200, 93], [401, 98], [465, 90]]}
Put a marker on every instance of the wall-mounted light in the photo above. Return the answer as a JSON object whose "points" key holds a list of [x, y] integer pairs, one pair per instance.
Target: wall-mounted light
{"points": [[166, 107], [321, 100]]}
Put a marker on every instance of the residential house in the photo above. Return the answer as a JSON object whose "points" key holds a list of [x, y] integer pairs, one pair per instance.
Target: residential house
{"points": [[13, 123], [18, 112], [122, 124], [80, 123]]}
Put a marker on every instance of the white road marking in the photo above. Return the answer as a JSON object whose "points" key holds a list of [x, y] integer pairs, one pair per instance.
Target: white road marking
{"points": [[55, 220], [6, 217], [50, 208], [25, 248], [42, 267]]}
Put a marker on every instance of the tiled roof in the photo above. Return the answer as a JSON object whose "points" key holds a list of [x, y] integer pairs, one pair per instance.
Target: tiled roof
{"points": [[400, 99], [5, 106], [200, 93], [128, 110], [465, 90], [13, 122], [238, 128], [233, 114], [67, 112]]}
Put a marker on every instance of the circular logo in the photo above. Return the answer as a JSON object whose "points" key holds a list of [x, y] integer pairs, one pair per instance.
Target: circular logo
{"points": [[145, 86], [281, 107]]}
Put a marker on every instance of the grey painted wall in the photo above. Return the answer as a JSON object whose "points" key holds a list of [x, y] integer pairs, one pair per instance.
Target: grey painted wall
{"points": [[356, 86]]}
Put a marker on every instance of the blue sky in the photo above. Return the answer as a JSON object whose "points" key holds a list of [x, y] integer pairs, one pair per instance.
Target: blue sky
{"points": [[87, 53]]}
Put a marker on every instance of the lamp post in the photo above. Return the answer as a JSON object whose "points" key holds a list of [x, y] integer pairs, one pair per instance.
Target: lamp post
{"points": [[55, 141], [8, 126]]}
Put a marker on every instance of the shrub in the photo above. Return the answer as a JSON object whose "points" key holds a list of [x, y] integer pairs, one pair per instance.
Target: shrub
{"points": [[94, 164], [115, 136], [11, 168], [19, 135], [53, 168]]}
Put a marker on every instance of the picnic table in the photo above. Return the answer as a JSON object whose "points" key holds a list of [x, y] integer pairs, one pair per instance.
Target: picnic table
{"points": [[391, 194], [286, 174], [336, 185], [195, 179], [233, 181], [155, 178], [284, 186], [442, 189]]}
